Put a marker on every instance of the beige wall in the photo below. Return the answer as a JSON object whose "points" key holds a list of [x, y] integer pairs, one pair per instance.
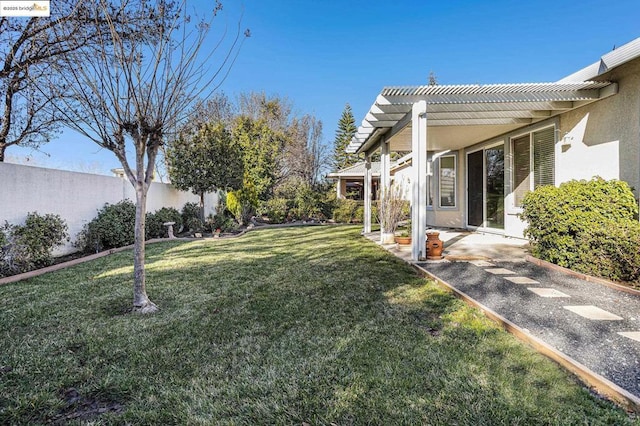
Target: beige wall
{"points": [[76, 197], [606, 134]]}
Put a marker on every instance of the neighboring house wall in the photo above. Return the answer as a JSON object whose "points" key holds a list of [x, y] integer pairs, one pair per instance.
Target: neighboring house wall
{"points": [[403, 177], [76, 197]]}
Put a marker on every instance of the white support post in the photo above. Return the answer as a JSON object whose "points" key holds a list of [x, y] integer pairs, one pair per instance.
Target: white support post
{"points": [[367, 193], [339, 189], [419, 180], [385, 178]]}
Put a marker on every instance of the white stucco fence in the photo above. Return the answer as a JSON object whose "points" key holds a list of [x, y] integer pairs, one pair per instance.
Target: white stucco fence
{"points": [[77, 197]]}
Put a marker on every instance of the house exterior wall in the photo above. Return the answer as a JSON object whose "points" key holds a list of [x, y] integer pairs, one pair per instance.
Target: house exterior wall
{"points": [[606, 134], [76, 197], [604, 141]]}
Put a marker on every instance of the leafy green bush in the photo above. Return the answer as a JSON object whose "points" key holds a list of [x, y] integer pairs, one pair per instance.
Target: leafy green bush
{"points": [[611, 250], [345, 210], [112, 227], [154, 227], [589, 226], [221, 221], [191, 217], [557, 216], [242, 204], [276, 209], [27, 247]]}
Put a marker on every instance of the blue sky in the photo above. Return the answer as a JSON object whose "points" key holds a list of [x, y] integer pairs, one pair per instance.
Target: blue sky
{"points": [[322, 54]]}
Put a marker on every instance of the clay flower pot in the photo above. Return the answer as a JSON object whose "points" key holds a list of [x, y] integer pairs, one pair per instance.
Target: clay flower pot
{"points": [[403, 240]]}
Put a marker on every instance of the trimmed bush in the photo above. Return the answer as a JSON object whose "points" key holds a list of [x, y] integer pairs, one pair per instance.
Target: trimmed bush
{"points": [[611, 251], [154, 227], [27, 247], [584, 225], [556, 216], [112, 227]]}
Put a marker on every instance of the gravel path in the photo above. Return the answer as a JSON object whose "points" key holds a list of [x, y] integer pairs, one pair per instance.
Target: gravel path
{"points": [[594, 343]]}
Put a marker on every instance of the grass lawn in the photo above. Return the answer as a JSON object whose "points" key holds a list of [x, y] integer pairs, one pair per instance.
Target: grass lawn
{"points": [[285, 326]]}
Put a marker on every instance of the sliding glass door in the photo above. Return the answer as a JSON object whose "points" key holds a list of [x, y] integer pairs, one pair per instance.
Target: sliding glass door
{"points": [[485, 188]]}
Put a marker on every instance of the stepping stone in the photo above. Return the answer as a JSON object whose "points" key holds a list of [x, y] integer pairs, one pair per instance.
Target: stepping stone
{"points": [[521, 280], [499, 271], [593, 313], [547, 292], [635, 335], [482, 263]]}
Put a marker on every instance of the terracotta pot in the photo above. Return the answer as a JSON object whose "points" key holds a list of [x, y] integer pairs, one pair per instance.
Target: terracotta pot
{"points": [[434, 246], [403, 240]]}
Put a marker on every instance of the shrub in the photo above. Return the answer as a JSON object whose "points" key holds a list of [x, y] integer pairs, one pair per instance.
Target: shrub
{"points": [[29, 246], [221, 221], [276, 209], [558, 217], [611, 250], [113, 227], [154, 227], [191, 217], [345, 211], [242, 204]]}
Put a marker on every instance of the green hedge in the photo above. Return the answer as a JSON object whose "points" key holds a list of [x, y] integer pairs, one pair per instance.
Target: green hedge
{"points": [[27, 247], [583, 225], [154, 227], [112, 227]]}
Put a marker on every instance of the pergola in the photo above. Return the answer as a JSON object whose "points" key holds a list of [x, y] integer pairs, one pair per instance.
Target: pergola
{"points": [[451, 117]]}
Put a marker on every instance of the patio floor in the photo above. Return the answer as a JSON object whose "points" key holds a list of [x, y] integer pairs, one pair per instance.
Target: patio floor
{"points": [[466, 245]]}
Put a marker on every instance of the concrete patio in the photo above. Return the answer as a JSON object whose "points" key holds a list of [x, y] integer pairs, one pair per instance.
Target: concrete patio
{"points": [[466, 245]]}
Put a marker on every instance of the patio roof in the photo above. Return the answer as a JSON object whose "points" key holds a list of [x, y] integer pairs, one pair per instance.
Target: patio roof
{"points": [[476, 112], [358, 170]]}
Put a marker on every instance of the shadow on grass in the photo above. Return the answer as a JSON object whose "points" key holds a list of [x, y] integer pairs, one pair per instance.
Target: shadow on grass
{"points": [[284, 326]]}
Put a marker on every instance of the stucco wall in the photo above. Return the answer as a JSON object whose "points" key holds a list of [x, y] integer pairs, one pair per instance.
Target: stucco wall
{"points": [[76, 197], [605, 134]]}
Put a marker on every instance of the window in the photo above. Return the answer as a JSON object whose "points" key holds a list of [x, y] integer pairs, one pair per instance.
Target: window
{"points": [[447, 181], [533, 162]]}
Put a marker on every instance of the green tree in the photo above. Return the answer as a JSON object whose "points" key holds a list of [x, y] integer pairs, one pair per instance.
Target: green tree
{"points": [[205, 160], [261, 146], [346, 130]]}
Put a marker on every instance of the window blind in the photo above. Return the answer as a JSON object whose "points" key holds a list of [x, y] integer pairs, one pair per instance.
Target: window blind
{"points": [[521, 168], [543, 157]]}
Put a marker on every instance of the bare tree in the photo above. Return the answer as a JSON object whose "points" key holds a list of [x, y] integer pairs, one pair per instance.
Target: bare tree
{"points": [[28, 48], [130, 96], [305, 156]]}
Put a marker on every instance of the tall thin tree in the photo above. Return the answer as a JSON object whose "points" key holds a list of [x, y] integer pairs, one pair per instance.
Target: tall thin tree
{"points": [[136, 91], [346, 130]]}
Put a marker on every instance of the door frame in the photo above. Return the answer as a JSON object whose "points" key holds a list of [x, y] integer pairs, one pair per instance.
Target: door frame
{"points": [[482, 227]]}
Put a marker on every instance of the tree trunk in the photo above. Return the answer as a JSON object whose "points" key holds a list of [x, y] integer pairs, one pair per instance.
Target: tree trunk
{"points": [[141, 302], [202, 207], [2, 149]]}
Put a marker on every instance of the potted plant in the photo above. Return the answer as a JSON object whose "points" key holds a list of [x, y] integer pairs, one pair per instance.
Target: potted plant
{"points": [[404, 237], [391, 211]]}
